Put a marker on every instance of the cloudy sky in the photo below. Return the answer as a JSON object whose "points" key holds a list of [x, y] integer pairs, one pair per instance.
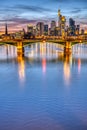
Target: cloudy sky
{"points": [[19, 13]]}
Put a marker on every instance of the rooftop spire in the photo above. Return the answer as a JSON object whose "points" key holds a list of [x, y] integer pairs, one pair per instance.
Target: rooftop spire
{"points": [[6, 29]]}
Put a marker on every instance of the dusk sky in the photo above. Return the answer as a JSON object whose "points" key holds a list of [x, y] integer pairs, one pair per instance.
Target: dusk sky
{"points": [[19, 13]]}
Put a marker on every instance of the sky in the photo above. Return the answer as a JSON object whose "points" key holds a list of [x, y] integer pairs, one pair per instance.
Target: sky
{"points": [[19, 13]]}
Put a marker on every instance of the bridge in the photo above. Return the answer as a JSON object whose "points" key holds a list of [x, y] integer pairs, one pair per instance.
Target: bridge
{"points": [[66, 42]]}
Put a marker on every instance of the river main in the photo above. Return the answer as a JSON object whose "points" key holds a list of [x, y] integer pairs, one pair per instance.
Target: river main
{"points": [[44, 90]]}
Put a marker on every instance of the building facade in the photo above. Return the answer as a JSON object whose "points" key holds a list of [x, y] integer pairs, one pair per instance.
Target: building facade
{"points": [[40, 29], [61, 24]]}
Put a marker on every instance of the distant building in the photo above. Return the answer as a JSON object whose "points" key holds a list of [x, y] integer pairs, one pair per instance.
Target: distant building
{"points": [[6, 29], [77, 30], [61, 24], [67, 31], [40, 28], [72, 27], [30, 32], [30, 29], [34, 30], [6, 35], [49, 31], [57, 31], [53, 25], [20, 34], [46, 30], [82, 31]]}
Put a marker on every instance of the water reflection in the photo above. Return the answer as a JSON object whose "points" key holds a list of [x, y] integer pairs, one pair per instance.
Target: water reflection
{"points": [[21, 69], [67, 69], [8, 54], [79, 66], [36, 107], [44, 65], [40, 51]]}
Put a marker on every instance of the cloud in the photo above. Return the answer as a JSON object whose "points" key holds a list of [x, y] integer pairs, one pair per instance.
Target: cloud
{"points": [[75, 11], [16, 23], [20, 13], [32, 8], [84, 23], [61, 1], [65, 1]]}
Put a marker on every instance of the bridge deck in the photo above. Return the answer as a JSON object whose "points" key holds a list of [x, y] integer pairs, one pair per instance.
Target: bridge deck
{"points": [[27, 42]]}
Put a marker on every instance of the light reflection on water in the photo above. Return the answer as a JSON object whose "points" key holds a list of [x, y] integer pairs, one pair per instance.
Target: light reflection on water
{"points": [[67, 70], [21, 69], [44, 65], [54, 95]]}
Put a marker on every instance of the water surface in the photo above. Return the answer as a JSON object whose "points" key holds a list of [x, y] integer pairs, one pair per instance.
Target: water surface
{"points": [[43, 90]]}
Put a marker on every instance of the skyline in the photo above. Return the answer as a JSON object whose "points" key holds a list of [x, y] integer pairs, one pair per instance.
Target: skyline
{"points": [[20, 13]]}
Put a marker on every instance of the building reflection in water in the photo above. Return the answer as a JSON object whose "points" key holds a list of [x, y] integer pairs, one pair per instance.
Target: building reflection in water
{"points": [[67, 66], [43, 54], [79, 51], [21, 69], [44, 65], [79, 66]]}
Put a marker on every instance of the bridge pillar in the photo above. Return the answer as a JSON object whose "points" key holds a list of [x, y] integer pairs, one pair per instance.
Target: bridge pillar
{"points": [[20, 48], [67, 48]]}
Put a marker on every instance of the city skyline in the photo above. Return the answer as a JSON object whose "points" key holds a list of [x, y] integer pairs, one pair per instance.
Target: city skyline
{"points": [[20, 13]]}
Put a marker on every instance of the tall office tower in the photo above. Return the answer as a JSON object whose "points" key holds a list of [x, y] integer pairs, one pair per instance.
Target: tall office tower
{"points": [[46, 30], [72, 27], [49, 31], [53, 25], [40, 28], [61, 24], [82, 31], [34, 30], [56, 31], [29, 33], [77, 30], [6, 29], [30, 28]]}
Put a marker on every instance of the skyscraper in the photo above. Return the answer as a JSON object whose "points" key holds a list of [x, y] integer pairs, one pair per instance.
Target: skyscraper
{"points": [[72, 27], [77, 30], [30, 28], [61, 24], [40, 28], [45, 29], [53, 25], [82, 31]]}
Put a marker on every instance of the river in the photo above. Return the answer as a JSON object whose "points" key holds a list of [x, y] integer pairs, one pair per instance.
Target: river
{"points": [[44, 90]]}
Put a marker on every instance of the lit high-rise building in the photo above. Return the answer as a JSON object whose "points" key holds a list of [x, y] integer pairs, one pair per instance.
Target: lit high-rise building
{"points": [[61, 23], [72, 27], [34, 30], [46, 30], [77, 30], [53, 25], [40, 28], [30, 31], [30, 28], [82, 31]]}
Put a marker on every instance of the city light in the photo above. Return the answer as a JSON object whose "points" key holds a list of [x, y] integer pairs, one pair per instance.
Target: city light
{"points": [[41, 30]]}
